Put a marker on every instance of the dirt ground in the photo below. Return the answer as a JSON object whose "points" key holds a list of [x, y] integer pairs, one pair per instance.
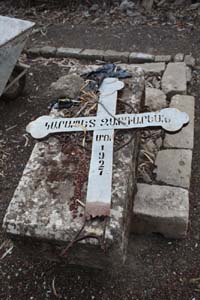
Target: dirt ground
{"points": [[156, 268]]}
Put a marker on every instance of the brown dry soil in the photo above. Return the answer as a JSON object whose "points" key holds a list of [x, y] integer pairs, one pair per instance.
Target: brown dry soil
{"points": [[156, 268]]}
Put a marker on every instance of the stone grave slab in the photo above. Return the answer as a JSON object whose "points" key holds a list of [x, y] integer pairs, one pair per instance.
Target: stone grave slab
{"points": [[45, 208]]}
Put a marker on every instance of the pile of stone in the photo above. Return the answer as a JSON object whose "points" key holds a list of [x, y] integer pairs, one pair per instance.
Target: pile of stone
{"points": [[162, 201]]}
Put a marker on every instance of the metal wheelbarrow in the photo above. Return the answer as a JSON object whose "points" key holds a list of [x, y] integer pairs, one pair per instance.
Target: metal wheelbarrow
{"points": [[13, 35]]}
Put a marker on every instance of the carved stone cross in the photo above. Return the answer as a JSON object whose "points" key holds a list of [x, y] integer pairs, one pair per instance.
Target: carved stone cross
{"points": [[100, 174]]}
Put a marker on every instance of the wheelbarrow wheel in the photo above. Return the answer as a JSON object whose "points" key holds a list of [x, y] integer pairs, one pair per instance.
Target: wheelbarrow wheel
{"points": [[17, 88]]}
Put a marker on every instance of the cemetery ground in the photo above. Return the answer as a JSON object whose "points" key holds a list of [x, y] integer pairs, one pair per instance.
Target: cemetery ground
{"points": [[156, 268]]}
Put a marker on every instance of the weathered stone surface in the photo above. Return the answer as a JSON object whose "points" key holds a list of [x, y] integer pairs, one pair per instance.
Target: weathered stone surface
{"points": [[153, 68], [68, 52], [33, 51], [161, 209], [67, 86], [48, 51], [137, 57], [174, 167], [188, 74], [148, 68], [189, 60], [185, 137], [44, 206], [92, 54], [114, 56], [155, 99], [163, 58], [126, 5], [179, 57], [174, 79]]}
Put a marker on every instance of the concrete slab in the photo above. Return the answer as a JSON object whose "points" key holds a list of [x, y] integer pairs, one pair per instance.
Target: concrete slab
{"points": [[185, 137], [161, 209], [45, 208]]}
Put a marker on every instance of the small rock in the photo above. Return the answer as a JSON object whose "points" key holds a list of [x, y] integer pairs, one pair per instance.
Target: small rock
{"points": [[147, 5], [189, 60], [86, 14], [159, 143], [67, 86], [172, 18], [180, 2], [194, 6], [155, 99], [179, 57], [146, 178], [188, 74], [94, 8], [150, 147], [130, 13], [126, 5], [96, 21]]}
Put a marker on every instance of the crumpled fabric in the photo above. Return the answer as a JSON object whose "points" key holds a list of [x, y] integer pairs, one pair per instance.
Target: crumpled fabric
{"points": [[108, 70]]}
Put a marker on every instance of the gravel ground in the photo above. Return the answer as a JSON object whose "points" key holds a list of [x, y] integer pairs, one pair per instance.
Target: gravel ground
{"points": [[156, 268]]}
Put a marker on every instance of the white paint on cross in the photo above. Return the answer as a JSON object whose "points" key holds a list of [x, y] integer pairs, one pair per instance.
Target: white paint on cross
{"points": [[99, 191]]}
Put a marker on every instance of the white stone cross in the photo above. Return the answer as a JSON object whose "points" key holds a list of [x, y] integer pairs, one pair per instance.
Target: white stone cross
{"points": [[99, 188]]}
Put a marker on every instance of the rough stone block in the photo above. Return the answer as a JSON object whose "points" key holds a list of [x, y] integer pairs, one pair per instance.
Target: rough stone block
{"points": [[155, 99], [174, 167], [154, 68], [137, 57], [68, 52], [148, 68], [67, 86], [92, 54], [189, 60], [33, 51], [113, 56], [185, 137], [48, 51], [161, 209], [45, 207], [188, 74], [174, 79], [179, 57], [163, 58]]}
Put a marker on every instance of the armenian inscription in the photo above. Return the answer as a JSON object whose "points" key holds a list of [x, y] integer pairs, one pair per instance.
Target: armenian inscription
{"points": [[100, 175], [170, 119]]}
